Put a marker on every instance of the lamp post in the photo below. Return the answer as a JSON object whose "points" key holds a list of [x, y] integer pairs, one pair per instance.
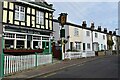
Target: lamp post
{"points": [[62, 19]]}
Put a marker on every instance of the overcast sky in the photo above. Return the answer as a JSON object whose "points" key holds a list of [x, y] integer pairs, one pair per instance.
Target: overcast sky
{"points": [[104, 14]]}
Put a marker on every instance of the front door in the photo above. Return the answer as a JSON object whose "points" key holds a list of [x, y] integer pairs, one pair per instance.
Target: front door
{"points": [[83, 46]]}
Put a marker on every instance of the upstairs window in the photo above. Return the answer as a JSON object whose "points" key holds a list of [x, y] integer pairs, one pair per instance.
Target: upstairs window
{"points": [[103, 36], [19, 13], [96, 35], [76, 32], [87, 33], [40, 17]]}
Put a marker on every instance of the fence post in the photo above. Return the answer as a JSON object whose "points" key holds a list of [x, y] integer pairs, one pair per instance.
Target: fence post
{"points": [[36, 59]]}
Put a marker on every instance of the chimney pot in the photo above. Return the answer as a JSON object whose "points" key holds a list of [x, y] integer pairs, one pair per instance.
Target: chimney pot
{"points": [[84, 25], [114, 32], [99, 28], [105, 30], [92, 25], [110, 32]]}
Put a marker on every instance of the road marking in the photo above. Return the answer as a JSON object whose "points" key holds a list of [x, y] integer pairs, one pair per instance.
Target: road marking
{"points": [[49, 75]]}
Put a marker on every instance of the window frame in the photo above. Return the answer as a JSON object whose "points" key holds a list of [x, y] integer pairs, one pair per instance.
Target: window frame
{"points": [[87, 33], [104, 37], [20, 10], [96, 35], [88, 46], [40, 17], [76, 32], [78, 45]]}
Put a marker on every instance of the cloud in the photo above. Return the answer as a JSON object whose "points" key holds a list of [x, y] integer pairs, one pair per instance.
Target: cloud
{"points": [[82, 0], [102, 13]]}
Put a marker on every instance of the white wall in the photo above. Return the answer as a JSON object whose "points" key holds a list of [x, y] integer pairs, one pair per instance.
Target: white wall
{"points": [[100, 39], [86, 39], [74, 38]]}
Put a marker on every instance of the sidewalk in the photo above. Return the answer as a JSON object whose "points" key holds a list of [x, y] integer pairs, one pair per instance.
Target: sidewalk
{"points": [[49, 68]]}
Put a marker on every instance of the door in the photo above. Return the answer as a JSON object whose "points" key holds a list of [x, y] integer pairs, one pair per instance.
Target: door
{"points": [[71, 45], [83, 46]]}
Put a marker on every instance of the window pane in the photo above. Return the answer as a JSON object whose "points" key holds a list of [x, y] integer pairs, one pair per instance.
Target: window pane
{"points": [[22, 16], [20, 44], [87, 33], [88, 46], [41, 18], [22, 9], [76, 32], [9, 44], [16, 7], [16, 15]]}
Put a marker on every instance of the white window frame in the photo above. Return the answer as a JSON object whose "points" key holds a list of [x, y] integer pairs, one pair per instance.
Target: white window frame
{"points": [[76, 32], [88, 45], [87, 33], [78, 45], [96, 35], [40, 17], [104, 37], [19, 13]]}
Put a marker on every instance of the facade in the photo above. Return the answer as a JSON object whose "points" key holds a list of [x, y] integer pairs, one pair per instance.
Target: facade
{"points": [[72, 35], [82, 38], [27, 25], [87, 40], [99, 41]]}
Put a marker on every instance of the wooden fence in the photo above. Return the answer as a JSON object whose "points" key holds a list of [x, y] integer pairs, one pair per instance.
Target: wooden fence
{"points": [[14, 64]]}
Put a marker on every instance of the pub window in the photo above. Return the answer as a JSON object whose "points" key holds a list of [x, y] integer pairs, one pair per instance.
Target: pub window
{"points": [[20, 44], [39, 17], [19, 13], [9, 44]]}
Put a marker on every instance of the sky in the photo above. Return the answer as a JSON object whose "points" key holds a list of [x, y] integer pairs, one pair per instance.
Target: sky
{"points": [[104, 14]]}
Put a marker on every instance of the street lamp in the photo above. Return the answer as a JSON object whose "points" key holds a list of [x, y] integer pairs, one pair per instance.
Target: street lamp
{"points": [[62, 19]]}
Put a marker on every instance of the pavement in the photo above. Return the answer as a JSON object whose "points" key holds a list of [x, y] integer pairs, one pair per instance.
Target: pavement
{"points": [[57, 65]]}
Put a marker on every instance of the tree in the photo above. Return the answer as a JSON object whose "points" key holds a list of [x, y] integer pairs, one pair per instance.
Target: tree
{"points": [[110, 44]]}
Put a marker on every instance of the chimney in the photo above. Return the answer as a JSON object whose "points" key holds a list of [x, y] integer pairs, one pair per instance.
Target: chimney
{"points": [[92, 26], [99, 28], [110, 32], [114, 32], [84, 25], [105, 30]]}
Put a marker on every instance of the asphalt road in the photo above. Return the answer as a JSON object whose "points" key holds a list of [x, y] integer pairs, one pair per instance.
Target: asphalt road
{"points": [[101, 68]]}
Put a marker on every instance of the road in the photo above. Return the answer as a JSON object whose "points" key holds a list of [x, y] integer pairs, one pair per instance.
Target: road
{"points": [[101, 68]]}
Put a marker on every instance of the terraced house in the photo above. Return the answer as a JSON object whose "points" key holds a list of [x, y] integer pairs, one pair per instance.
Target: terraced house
{"points": [[27, 25]]}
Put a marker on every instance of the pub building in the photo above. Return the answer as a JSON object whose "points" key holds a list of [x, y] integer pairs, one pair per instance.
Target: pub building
{"points": [[27, 26]]}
